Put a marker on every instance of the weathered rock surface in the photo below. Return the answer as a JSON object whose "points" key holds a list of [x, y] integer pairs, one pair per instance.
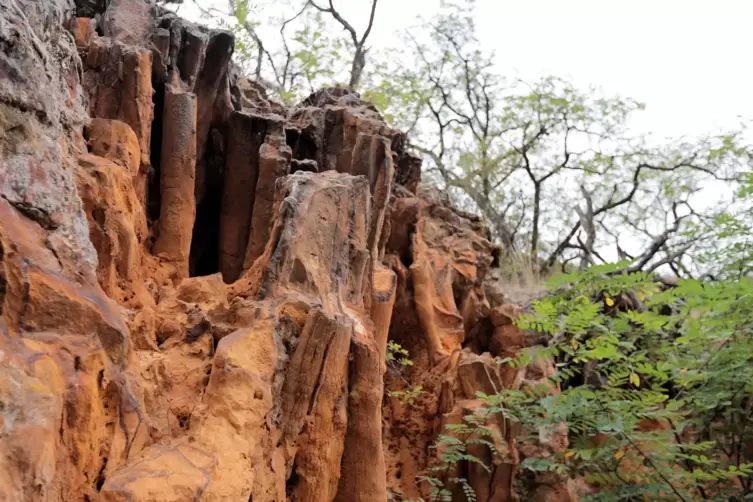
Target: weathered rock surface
{"points": [[198, 284]]}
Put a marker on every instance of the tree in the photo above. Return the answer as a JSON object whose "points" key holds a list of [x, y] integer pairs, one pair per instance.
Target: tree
{"points": [[295, 51], [554, 169], [305, 57], [359, 43], [729, 254]]}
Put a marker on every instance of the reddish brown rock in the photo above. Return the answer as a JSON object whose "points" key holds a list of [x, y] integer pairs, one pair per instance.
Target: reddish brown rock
{"points": [[63, 359], [41, 114], [232, 345], [468, 374], [363, 477], [328, 124], [449, 259], [118, 79], [257, 157], [275, 420], [127, 21], [176, 474], [115, 141], [117, 225], [251, 95], [382, 304], [209, 81], [177, 178], [241, 175], [84, 29], [274, 163], [192, 55], [314, 413], [409, 171]]}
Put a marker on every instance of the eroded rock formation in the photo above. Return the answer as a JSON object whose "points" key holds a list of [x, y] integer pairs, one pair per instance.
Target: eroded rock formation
{"points": [[198, 284]]}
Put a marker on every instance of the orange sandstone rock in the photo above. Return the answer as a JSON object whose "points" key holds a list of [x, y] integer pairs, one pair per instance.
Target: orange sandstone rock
{"points": [[198, 284], [177, 179]]}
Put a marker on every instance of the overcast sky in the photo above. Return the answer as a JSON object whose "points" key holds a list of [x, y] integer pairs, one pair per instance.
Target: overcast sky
{"points": [[689, 61]]}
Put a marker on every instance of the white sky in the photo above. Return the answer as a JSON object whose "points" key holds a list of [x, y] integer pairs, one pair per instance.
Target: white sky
{"points": [[689, 61]]}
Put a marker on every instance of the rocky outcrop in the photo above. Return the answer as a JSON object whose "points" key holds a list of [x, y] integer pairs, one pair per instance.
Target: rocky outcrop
{"points": [[455, 337], [198, 285]]}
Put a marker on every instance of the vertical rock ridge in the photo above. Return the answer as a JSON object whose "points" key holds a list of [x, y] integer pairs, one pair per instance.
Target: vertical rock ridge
{"points": [[177, 180], [241, 176]]}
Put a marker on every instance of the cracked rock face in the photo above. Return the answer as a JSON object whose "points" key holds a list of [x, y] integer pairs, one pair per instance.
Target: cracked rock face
{"points": [[198, 285]]}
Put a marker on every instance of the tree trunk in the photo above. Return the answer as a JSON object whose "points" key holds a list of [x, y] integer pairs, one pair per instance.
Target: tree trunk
{"points": [[359, 62], [535, 231]]}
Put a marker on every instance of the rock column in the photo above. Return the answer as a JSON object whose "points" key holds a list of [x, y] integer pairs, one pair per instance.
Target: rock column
{"points": [[177, 178], [241, 173], [274, 163]]}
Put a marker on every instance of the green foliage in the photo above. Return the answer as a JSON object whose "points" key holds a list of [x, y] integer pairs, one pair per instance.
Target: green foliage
{"points": [[407, 396], [293, 53], [400, 98], [731, 254], [679, 357], [453, 447], [398, 358], [397, 355], [657, 389]]}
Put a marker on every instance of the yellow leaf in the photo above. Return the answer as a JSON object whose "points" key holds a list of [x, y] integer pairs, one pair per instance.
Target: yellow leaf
{"points": [[683, 371], [610, 302], [569, 454], [619, 454], [641, 296], [635, 379], [574, 344]]}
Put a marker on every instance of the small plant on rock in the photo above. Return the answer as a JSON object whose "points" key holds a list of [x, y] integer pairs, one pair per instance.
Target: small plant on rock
{"points": [[407, 396], [397, 356]]}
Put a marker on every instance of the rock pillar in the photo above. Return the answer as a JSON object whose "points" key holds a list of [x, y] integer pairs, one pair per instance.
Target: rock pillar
{"points": [[177, 178]]}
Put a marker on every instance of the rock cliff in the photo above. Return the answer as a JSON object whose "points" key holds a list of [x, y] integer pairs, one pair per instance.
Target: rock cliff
{"points": [[198, 284]]}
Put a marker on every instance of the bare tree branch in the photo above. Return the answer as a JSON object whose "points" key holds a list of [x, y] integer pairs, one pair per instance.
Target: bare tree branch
{"points": [[587, 222], [359, 57], [612, 203]]}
